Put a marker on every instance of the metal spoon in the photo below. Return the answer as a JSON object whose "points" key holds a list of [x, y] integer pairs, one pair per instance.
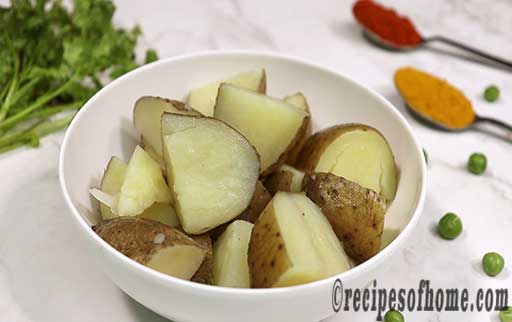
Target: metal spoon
{"points": [[379, 41], [478, 119]]}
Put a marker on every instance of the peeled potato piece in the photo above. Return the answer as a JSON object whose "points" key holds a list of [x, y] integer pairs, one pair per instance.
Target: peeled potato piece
{"points": [[163, 213], [203, 98], [355, 213], [271, 125], [153, 244], [355, 152], [287, 178], [147, 113], [108, 196], [259, 201], [299, 100], [111, 183], [211, 168], [204, 273], [293, 243], [230, 265], [143, 185]]}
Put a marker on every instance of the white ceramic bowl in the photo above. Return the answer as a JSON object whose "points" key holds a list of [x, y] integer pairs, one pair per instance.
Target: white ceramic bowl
{"points": [[104, 128]]}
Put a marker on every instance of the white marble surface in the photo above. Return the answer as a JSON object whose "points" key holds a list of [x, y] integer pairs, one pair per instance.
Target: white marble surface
{"points": [[45, 274]]}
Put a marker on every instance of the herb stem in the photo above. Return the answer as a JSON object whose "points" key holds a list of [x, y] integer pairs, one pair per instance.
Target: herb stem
{"points": [[4, 109], [49, 111], [32, 135], [24, 90], [15, 119]]}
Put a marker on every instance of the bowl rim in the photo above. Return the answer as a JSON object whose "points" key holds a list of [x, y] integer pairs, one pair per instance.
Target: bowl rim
{"points": [[163, 278]]}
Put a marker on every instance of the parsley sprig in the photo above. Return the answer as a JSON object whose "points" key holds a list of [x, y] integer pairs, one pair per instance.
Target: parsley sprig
{"points": [[52, 60]]}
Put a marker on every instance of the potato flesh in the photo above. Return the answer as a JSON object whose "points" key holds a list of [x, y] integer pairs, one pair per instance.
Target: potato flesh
{"points": [[230, 265], [286, 178], [298, 100], [355, 213], [296, 177], [111, 183], [163, 213], [203, 98], [269, 124], [311, 249], [147, 113], [143, 185], [108, 196], [153, 244], [211, 168], [180, 261], [314, 231], [363, 157]]}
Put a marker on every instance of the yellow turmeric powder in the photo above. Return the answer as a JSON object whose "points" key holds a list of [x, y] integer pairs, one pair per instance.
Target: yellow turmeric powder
{"points": [[434, 98]]}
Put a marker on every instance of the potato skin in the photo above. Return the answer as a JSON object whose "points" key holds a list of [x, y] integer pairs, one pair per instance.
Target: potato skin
{"points": [[178, 105], [258, 203], [262, 88], [268, 258], [316, 144], [284, 179], [204, 273], [134, 236], [279, 181], [355, 213]]}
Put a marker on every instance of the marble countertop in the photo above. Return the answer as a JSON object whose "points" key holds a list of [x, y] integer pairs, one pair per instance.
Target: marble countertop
{"points": [[45, 273]]}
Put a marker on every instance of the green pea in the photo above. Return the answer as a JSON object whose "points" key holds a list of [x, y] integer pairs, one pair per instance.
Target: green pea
{"points": [[450, 226], [493, 263], [492, 93], [506, 314], [477, 163], [393, 316]]}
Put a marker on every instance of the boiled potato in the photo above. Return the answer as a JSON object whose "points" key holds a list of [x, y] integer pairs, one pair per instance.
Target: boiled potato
{"points": [[293, 243], [259, 201], [211, 168], [111, 183], [271, 125], [147, 113], [143, 185], [355, 213], [299, 100], [153, 244], [230, 265], [110, 192], [356, 152], [204, 273], [203, 99], [163, 213], [160, 212], [287, 178]]}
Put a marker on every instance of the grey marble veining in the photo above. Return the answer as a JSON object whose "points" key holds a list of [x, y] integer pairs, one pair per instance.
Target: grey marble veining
{"points": [[45, 273]]}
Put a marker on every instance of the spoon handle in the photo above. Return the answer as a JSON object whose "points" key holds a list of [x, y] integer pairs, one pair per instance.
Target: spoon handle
{"points": [[499, 123], [470, 49]]}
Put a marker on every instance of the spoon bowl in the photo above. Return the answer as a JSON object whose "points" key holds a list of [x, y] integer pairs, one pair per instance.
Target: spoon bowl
{"points": [[426, 119], [417, 41]]}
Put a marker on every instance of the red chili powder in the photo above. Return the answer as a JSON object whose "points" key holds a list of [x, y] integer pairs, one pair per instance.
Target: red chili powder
{"points": [[386, 23]]}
